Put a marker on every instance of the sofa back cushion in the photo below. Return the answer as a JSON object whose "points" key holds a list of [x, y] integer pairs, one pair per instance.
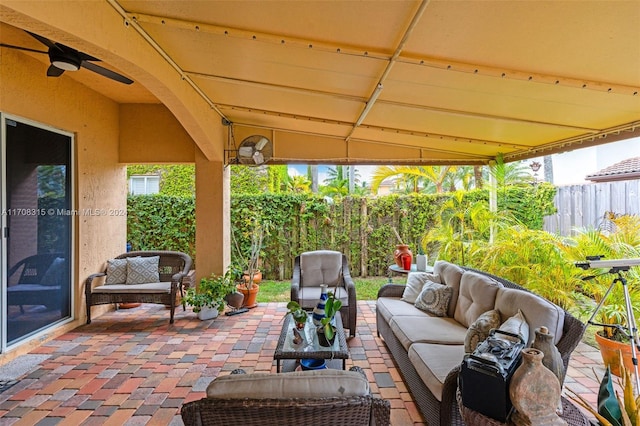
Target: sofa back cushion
{"points": [[299, 384], [321, 267], [450, 275], [415, 282], [477, 295], [536, 311]]}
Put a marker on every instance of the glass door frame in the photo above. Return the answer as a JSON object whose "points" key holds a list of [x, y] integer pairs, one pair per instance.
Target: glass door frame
{"points": [[3, 232]]}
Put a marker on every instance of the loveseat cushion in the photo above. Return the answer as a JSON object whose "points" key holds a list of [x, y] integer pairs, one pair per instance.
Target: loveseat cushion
{"points": [[536, 310], [427, 329], [116, 271], [415, 282], [298, 384], [477, 295], [449, 274], [133, 288], [142, 270], [434, 362], [390, 307]]}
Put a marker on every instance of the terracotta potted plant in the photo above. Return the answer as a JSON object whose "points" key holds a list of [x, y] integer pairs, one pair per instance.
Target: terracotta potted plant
{"points": [[207, 300], [252, 275], [327, 329]]}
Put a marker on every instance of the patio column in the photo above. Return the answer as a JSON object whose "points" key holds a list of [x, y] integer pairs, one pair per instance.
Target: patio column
{"points": [[213, 224]]}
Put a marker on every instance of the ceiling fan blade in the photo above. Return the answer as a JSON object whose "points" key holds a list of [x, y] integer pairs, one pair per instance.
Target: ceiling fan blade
{"points": [[54, 71], [106, 73], [11, 46], [50, 44]]}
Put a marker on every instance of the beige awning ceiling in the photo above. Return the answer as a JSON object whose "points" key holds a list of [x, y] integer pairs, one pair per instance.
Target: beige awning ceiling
{"points": [[365, 82]]}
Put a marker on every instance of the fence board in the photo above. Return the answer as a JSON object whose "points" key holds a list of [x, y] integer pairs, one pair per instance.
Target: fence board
{"points": [[582, 206]]}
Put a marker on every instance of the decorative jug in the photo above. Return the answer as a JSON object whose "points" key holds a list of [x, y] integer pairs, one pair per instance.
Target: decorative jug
{"points": [[318, 311]]}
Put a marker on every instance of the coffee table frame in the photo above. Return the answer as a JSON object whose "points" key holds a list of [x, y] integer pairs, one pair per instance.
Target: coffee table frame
{"points": [[284, 350]]}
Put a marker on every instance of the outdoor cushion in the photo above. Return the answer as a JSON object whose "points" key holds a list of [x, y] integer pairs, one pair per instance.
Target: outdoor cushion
{"points": [[321, 267], [434, 299], [537, 311], [142, 270], [427, 329], [434, 362], [116, 271], [415, 282], [477, 295], [480, 328], [309, 296], [390, 307], [517, 325], [450, 274], [299, 384], [133, 288]]}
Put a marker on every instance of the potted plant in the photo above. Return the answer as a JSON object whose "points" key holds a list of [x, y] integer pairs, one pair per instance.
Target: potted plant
{"points": [[327, 329], [207, 300], [251, 277], [299, 315]]}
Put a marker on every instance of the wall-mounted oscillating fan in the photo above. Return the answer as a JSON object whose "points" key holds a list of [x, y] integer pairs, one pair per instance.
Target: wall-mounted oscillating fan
{"points": [[255, 150]]}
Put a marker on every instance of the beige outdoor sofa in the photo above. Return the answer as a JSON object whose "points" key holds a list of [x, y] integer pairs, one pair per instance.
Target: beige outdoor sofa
{"points": [[140, 277], [429, 349], [322, 397]]}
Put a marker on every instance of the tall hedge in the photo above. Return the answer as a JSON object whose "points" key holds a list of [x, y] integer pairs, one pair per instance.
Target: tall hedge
{"points": [[360, 227]]}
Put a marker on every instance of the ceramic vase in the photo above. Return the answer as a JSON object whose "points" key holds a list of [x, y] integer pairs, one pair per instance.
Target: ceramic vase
{"points": [[318, 311], [534, 392], [552, 358], [421, 262], [401, 254]]}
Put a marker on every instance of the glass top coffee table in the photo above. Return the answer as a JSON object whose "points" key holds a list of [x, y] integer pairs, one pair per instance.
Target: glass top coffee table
{"points": [[290, 354]]}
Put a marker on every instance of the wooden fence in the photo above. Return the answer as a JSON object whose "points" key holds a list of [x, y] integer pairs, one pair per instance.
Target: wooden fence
{"points": [[587, 205]]}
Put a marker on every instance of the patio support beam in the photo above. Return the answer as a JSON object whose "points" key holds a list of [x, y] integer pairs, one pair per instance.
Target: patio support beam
{"points": [[213, 223]]}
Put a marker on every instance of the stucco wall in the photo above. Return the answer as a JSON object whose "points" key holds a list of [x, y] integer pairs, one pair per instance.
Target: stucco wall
{"points": [[26, 92]]}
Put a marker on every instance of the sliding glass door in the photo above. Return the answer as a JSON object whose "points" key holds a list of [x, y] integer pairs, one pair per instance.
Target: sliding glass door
{"points": [[37, 228]]}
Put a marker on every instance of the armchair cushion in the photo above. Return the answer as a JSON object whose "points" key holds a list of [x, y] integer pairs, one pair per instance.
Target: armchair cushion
{"points": [[321, 267], [299, 384]]}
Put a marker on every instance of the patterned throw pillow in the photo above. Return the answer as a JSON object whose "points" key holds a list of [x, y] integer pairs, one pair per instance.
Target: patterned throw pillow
{"points": [[479, 330], [116, 271], [142, 270], [434, 299]]}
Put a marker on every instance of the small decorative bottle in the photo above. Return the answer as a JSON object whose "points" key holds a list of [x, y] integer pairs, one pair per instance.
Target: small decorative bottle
{"points": [[318, 311]]}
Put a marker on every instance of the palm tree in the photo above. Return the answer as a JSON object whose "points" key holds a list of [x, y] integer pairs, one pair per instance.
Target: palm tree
{"points": [[413, 177], [514, 173], [298, 184]]}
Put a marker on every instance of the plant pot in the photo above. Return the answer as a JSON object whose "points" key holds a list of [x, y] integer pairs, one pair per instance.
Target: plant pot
{"points": [[235, 299], [249, 295], [207, 313], [308, 364], [322, 338], [610, 351], [257, 276]]}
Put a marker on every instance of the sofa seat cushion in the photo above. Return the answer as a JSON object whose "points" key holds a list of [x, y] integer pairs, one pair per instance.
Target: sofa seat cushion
{"points": [[298, 384], [434, 362], [427, 329], [133, 288], [536, 311], [309, 296], [477, 295], [390, 307]]}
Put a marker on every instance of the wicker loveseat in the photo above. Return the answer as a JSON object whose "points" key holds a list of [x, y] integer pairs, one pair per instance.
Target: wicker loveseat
{"points": [[429, 349], [327, 397], [115, 286]]}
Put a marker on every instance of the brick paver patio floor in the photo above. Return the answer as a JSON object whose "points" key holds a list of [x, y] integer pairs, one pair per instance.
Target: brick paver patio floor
{"points": [[130, 367]]}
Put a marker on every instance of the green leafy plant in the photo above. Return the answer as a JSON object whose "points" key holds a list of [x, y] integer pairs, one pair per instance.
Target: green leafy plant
{"points": [[299, 315], [331, 307], [211, 292]]}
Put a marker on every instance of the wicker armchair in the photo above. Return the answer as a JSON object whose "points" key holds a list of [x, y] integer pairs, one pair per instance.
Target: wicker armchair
{"points": [[325, 267], [353, 410], [173, 267]]}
